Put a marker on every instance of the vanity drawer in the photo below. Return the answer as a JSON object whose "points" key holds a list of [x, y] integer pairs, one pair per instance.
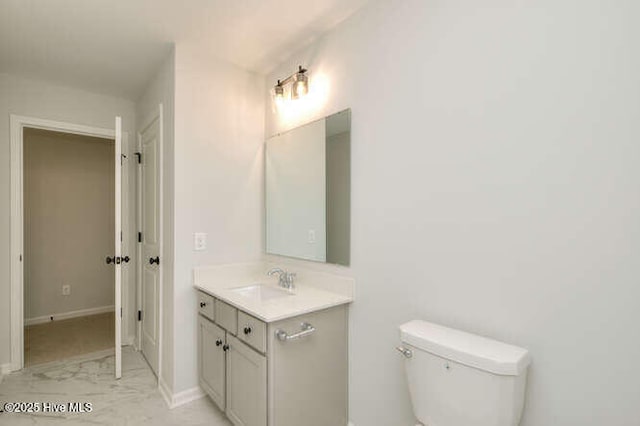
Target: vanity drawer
{"points": [[226, 316], [206, 305], [252, 331]]}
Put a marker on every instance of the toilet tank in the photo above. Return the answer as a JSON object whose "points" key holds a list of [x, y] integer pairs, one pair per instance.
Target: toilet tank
{"points": [[461, 379]]}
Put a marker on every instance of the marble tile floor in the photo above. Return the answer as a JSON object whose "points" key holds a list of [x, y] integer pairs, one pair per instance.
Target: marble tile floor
{"points": [[132, 400]]}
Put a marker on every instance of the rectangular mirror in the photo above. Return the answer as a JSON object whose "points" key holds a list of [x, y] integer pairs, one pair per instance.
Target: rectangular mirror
{"points": [[308, 191]]}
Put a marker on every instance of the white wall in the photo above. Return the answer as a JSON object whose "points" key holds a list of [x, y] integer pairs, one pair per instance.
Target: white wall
{"points": [[161, 91], [43, 100], [295, 185], [495, 186], [219, 135], [69, 222]]}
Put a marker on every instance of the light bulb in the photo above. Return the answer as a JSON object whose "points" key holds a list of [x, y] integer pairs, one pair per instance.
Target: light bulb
{"points": [[300, 86], [278, 90]]}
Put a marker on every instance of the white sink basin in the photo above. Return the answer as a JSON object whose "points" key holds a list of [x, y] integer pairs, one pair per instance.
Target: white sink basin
{"points": [[261, 292]]}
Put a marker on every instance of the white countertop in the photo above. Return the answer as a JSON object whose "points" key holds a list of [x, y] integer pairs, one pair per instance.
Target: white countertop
{"points": [[219, 282]]}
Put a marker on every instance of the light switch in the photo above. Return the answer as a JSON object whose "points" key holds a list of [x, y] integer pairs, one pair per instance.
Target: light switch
{"points": [[312, 236], [66, 290], [199, 241]]}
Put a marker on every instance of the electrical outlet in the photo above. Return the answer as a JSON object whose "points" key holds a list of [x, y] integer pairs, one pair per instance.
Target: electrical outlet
{"points": [[312, 236], [199, 241], [66, 290]]}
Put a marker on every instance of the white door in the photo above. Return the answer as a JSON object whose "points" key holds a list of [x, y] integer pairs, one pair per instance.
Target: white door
{"points": [[150, 239], [118, 246]]}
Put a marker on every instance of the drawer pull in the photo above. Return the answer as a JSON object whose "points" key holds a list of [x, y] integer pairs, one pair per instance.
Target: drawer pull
{"points": [[218, 342], [225, 348], [202, 304], [305, 330], [247, 330]]}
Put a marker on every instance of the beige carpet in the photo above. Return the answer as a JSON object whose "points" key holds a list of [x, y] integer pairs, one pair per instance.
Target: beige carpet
{"points": [[56, 340]]}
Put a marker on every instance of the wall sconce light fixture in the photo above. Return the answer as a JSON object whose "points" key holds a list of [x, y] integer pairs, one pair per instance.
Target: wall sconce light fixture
{"points": [[300, 85]]}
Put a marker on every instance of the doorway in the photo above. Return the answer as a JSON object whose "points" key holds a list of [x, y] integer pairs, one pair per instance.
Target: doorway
{"points": [[20, 125], [69, 222]]}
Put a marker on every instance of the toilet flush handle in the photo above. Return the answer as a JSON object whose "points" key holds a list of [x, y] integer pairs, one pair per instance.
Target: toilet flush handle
{"points": [[404, 351]]}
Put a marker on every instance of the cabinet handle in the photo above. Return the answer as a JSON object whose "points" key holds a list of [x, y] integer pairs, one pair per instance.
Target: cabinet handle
{"points": [[218, 342], [202, 304], [225, 348], [305, 330], [155, 260], [247, 330]]}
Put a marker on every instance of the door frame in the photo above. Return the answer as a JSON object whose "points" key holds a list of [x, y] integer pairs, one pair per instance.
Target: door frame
{"points": [[17, 125], [154, 115]]}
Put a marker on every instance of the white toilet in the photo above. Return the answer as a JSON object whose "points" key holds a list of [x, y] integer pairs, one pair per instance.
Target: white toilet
{"points": [[460, 379]]}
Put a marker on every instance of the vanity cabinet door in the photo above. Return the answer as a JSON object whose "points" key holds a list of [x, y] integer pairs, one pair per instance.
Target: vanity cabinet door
{"points": [[308, 376], [211, 360], [246, 385]]}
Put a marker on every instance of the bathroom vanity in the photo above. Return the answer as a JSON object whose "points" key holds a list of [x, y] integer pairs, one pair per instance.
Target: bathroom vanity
{"points": [[269, 357]]}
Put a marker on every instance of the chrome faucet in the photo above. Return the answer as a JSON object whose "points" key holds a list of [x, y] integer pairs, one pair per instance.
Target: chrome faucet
{"points": [[285, 279]]}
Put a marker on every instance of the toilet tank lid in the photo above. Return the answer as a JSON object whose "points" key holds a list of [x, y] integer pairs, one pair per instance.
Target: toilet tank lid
{"points": [[466, 348]]}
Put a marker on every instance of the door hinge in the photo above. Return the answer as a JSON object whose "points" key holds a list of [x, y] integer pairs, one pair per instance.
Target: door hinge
{"points": [[139, 315], [139, 237], [120, 312], [139, 156], [20, 258], [120, 235]]}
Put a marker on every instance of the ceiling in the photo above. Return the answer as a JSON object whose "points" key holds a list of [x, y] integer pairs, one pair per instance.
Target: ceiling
{"points": [[115, 46]]}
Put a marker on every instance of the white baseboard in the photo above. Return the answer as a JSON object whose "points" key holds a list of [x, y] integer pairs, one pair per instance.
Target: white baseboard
{"points": [[187, 396], [180, 398], [129, 341], [5, 369], [71, 314], [165, 392]]}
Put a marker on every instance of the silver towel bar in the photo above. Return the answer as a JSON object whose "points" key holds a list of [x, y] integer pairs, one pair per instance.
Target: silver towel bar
{"points": [[305, 330]]}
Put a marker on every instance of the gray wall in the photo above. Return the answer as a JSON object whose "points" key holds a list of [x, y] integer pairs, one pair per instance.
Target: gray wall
{"points": [[213, 171], [68, 222], [219, 158], [495, 186]]}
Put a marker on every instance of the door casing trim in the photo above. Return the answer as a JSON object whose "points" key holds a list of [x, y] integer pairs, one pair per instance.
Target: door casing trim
{"points": [[17, 124]]}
